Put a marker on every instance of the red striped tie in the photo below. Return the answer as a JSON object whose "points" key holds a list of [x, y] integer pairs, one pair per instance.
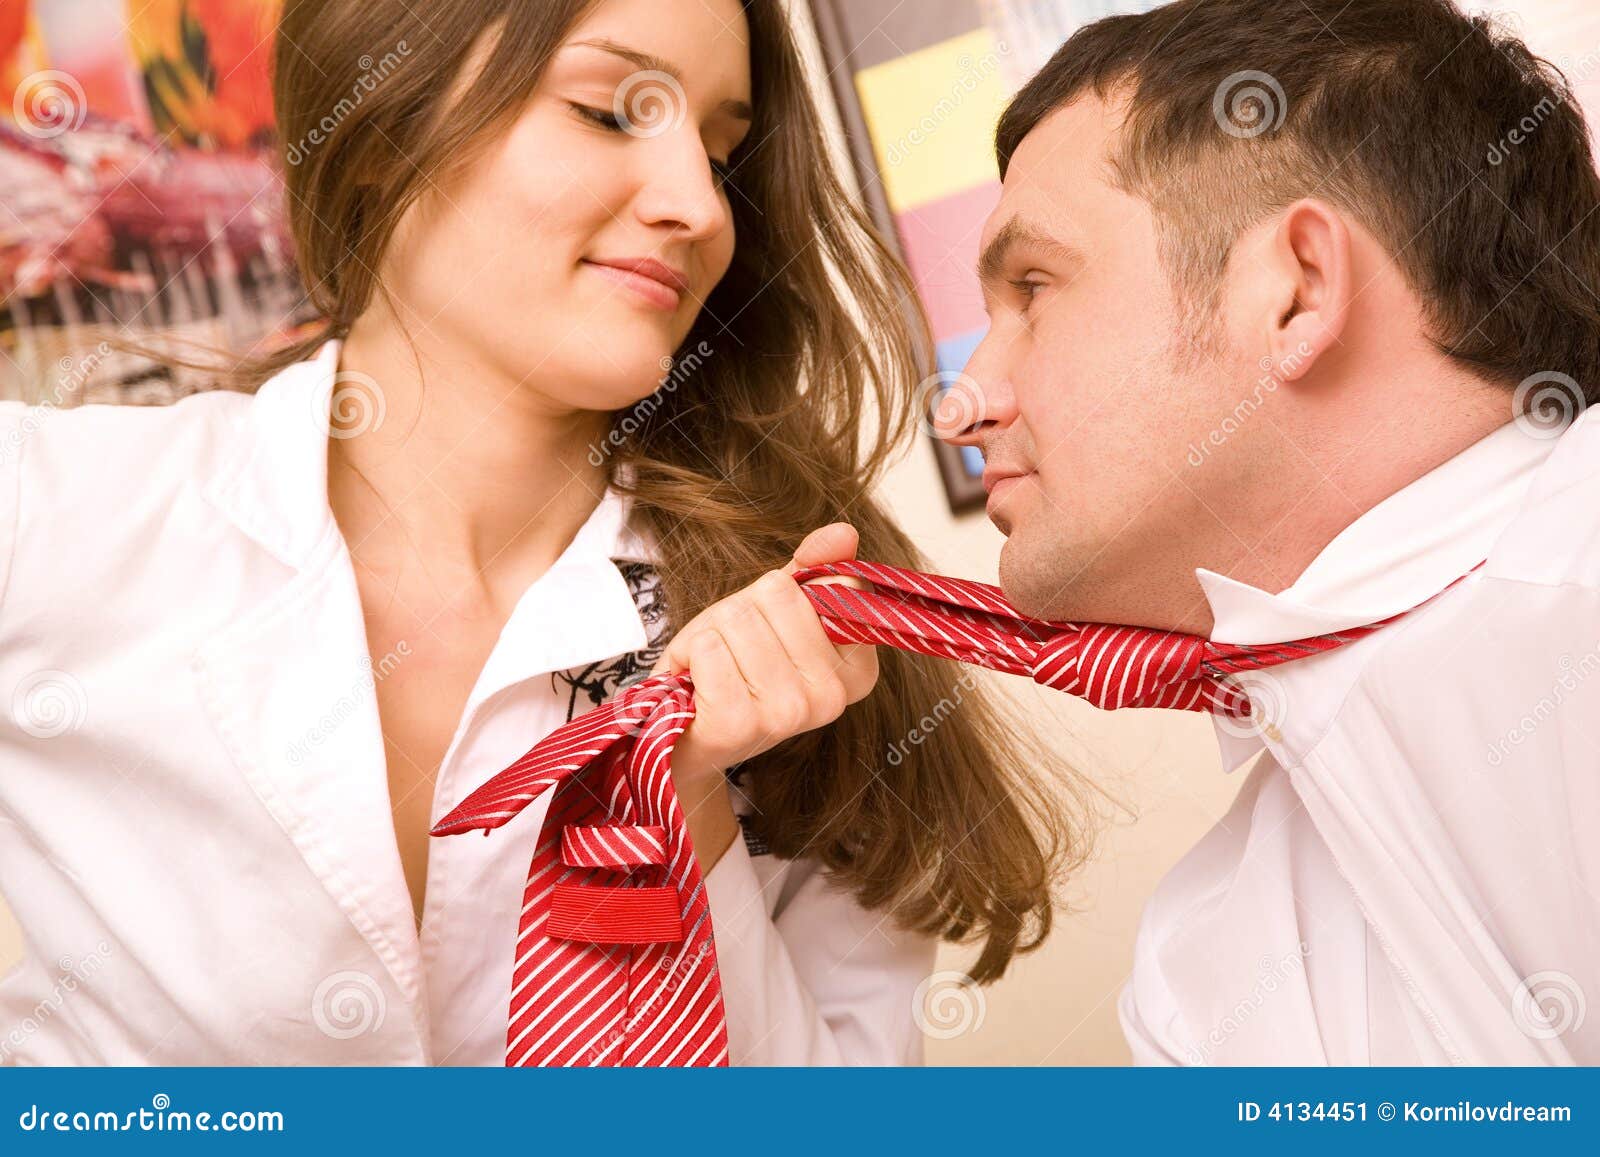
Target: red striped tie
{"points": [[615, 960]]}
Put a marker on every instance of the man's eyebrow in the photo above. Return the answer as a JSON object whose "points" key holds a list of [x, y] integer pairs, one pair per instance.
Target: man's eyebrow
{"points": [[648, 62], [1014, 233]]}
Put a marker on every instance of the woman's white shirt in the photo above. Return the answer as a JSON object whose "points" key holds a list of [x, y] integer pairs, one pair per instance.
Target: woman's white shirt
{"points": [[195, 827]]}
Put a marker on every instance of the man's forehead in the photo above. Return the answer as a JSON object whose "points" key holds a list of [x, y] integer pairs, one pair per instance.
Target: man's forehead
{"points": [[1059, 171]]}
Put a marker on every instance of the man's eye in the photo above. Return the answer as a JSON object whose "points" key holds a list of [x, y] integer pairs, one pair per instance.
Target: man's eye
{"points": [[604, 117], [1027, 289]]}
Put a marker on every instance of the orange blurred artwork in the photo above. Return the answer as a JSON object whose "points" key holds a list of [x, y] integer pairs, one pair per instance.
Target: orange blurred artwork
{"points": [[205, 65]]}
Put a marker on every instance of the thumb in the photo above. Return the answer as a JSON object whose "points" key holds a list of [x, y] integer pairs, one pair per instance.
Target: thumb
{"points": [[836, 542]]}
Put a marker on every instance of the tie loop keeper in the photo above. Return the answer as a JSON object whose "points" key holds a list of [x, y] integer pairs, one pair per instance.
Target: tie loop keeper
{"points": [[602, 914], [614, 846]]}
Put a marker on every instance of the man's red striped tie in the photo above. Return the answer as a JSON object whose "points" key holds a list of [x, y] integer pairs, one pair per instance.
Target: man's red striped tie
{"points": [[615, 961]]}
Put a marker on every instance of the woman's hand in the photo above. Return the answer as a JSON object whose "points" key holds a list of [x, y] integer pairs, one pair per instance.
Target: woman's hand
{"points": [[764, 670]]}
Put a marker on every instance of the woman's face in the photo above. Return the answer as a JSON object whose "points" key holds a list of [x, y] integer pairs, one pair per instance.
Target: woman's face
{"points": [[573, 257]]}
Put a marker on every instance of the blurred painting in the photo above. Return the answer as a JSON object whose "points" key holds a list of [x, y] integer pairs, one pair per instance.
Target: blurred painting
{"points": [[138, 191]]}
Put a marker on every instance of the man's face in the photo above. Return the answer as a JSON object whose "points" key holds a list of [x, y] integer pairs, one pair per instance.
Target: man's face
{"points": [[1091, 400]]}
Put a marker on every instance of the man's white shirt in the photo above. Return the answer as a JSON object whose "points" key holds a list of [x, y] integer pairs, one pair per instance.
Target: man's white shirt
{"points": [[1411, 872]]}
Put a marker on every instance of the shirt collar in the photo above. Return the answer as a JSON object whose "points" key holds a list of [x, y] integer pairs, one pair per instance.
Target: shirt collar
{"points": [[1396, 556], [275, 488]]}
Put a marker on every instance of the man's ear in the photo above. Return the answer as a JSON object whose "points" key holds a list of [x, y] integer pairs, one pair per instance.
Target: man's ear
{"points": [[1311, 260]]}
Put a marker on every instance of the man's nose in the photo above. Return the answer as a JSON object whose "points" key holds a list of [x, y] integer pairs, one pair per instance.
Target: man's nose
{"points": [[978, 400]]}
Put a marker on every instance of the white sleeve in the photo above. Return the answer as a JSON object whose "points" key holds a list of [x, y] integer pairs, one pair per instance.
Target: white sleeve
{"points": [[12, 436], [822, 981], [1144, 1045]]}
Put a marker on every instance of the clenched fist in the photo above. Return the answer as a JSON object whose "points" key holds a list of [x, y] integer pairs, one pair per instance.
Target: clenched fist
{"points": [[764, 670]]}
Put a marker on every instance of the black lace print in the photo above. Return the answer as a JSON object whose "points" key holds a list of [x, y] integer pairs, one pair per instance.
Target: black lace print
{"points": [[595, 683], [592, 685]]}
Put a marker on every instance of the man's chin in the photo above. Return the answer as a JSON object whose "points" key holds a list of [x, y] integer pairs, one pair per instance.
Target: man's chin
{"points": [[1024, 581]]}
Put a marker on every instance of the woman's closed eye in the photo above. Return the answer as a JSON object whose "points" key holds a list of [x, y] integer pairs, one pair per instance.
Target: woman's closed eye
{"points": [[603, 117], [607, 119]]}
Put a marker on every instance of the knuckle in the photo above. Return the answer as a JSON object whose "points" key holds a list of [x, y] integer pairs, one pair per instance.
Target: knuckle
{"points": [[790, 714], [832, 698]]}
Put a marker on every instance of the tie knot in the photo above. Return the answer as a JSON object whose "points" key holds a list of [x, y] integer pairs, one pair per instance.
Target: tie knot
{"points": [[1114, 667]]}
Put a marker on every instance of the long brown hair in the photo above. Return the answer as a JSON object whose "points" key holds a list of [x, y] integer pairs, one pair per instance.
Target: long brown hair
{"points": [[949, 828]]}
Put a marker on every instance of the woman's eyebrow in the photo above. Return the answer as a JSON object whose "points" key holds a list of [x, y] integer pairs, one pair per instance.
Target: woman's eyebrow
{"points": [[648, 62]]}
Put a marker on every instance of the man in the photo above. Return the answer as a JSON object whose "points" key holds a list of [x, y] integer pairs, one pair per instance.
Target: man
{"points": [[1295, 312]]}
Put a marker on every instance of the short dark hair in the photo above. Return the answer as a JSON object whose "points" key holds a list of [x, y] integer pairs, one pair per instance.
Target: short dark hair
{"points": [[1440, 132]]}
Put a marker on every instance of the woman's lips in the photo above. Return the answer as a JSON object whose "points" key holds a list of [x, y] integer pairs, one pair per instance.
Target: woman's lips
{"points": [[652, 282]]}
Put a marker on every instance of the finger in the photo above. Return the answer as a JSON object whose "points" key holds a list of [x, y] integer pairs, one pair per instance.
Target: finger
{"points": [[756, 649], [721, 693], [675, 656], [835, 542], [794, 622]]}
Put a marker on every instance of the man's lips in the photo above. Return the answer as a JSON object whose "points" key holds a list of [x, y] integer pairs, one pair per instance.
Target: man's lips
{"points": [[992, 478], [659, 284]]}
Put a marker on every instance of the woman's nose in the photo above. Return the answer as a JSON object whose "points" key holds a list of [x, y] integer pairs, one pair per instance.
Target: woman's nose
{"points": [[680, 189]]}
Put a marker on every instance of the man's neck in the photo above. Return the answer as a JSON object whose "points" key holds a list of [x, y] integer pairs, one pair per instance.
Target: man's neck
{"points": [[1361, 453]]}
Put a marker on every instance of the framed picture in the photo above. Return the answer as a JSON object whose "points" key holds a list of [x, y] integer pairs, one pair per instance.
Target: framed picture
{"points": [[920, 87]]}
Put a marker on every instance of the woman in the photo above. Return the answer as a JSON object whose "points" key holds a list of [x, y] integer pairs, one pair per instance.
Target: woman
{"points": [[586, 375]]}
